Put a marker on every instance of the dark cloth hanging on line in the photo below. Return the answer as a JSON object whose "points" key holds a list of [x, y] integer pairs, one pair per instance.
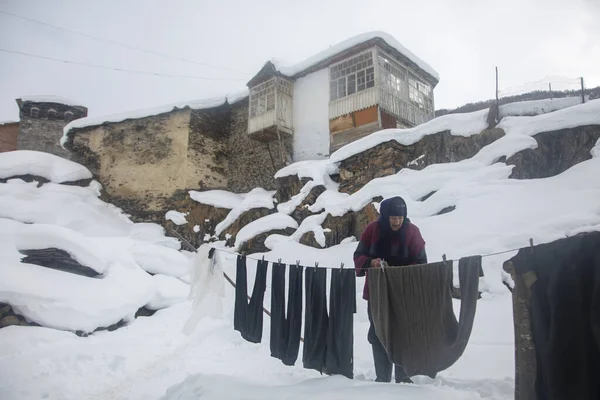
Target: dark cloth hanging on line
{"points": [[329, 339], [285, 331], [564, 312], [248, 317], [316, 319], [413, 316], [340, 335]]}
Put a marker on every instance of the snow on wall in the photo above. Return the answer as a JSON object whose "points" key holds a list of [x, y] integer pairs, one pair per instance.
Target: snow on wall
{"points": [[351, 42], [141, 113], [311, 116], [265, 224], [51, 99], [572, 117], [467, 124], [537, 107], [28, 162], [176, 217]]}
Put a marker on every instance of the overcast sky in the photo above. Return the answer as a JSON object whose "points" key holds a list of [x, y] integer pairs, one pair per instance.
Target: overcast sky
{"points": [[462, 39]]}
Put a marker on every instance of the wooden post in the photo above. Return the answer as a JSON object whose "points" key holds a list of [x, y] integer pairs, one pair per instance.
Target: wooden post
{"points": [[582, 91], [497, 103], [525, 361]]}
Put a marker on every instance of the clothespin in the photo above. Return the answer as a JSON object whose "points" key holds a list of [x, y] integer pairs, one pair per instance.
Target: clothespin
{"points": [[298, 263], [444, 258], [316, 265], [342, 266], [531, 244], [279, 260], [263, 257]]}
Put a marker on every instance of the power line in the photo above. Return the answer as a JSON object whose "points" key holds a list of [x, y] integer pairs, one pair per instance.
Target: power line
{"points": [[155, 53], [117, 69]]}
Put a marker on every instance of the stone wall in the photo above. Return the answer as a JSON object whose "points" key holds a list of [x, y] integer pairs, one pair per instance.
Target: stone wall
{"points": [[253, 163], [208, 152], [8, 136], [41, 135], [143, 161], [42, 124], [390, 157], [556, 152]]}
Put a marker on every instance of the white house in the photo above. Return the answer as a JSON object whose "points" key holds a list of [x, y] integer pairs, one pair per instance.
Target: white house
{"points": [[364, 84]]}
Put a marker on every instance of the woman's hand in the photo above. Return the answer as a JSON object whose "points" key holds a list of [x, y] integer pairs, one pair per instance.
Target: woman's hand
{"points": [[376, 263]]}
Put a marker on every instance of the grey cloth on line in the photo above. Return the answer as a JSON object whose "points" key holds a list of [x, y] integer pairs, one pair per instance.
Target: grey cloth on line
{"points": [[413, 316]]}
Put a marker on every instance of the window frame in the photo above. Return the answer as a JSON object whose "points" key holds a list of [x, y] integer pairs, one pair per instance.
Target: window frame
{"points": [[352, 75], [262, 97]]}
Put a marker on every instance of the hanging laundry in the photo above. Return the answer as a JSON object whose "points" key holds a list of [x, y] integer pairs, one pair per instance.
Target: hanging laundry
{"points": [[316, 320], [207, 288], [340, 334], [563, 278], [412, 312], [285, 331], [248, 317]]}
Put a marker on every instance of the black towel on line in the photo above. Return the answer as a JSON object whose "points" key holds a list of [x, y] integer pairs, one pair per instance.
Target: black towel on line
{"points": [[329, 339], [340, 334], [316, 320], [248, 317], [564, 312], [285, 331]]}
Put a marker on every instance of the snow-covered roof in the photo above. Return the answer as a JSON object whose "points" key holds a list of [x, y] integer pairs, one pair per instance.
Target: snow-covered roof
{"points": [[198, 104], [50, 99], [28, 162], [351, 42]]}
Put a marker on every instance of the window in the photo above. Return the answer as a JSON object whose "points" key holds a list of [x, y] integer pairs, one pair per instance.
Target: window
{"points": [[420, 94], [68, 116], [393, 76], [34, 112], [351, 76], [51, 113], [262, 98]]}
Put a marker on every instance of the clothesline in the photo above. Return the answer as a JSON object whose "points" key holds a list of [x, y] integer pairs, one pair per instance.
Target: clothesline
{"points": [[328, 267], [342, 264]]}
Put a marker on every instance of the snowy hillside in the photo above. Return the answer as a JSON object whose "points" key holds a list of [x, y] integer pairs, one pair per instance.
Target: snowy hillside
{"points": [[152, 357], [94, 234]]}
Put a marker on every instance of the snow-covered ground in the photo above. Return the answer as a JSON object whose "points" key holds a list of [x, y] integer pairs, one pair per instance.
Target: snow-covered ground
{"points": [[152, 357]]}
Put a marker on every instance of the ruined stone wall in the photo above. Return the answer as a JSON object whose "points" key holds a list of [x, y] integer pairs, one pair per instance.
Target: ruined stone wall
{"points": [[253, 163], [143, 161], [208, 152]]}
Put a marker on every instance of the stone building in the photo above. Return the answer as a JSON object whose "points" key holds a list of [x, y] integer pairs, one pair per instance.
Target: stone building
{"points": [[42, 119], [8, 136], [147, 160]]}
